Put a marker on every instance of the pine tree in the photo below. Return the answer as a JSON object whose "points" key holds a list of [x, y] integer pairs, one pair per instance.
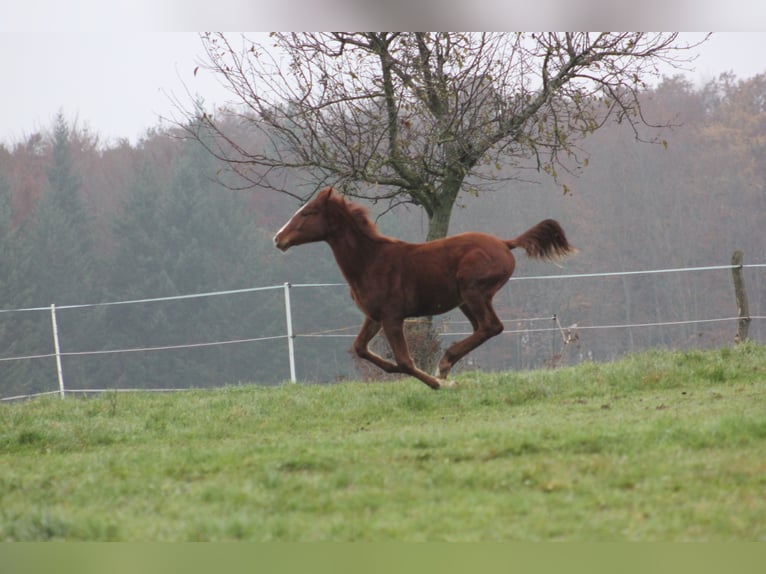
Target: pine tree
{"points": [[59, 235], [9, 320], [188, 235], [56, 263], [5, 241]]}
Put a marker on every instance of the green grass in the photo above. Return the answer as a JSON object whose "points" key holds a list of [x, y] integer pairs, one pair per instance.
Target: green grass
{"points": [[657, 446]]}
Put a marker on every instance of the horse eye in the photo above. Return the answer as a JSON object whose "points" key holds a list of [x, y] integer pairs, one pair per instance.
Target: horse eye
{"points": [[308, 213]]}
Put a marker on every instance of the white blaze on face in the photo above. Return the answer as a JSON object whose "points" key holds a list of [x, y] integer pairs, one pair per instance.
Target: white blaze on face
{"points": [[286, 225]]}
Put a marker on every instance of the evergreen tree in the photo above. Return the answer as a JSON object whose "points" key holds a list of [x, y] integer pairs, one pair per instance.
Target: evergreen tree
{"points": [[9, 320], [187, 236], [137, 271], [59, 236], [56, 263], [6, 265], [217, 247]]}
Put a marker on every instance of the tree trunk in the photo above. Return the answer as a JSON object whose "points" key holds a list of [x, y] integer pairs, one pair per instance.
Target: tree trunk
{"points": [[438, 223], [441, 210], [422, 336]]}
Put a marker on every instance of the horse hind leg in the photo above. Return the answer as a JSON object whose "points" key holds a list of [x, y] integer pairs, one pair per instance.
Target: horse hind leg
{"points": [[485, 324], [394, 333]]}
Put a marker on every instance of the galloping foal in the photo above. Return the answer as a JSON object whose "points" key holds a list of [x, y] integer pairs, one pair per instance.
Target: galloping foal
{"points": [[392, 280]]}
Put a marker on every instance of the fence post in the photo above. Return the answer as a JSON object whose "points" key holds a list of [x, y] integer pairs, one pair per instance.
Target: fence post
{"points": [[743, 325], [57, 349], [290, 335]]}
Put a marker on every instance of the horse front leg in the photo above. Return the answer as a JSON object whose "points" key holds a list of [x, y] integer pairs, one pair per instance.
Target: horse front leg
{"points": [[368, 331], [394, 331]]}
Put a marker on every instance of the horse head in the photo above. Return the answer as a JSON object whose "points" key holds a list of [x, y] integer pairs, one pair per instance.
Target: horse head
{"points": [[308, 225]]}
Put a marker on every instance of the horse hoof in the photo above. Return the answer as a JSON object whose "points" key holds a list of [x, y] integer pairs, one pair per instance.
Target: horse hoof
{"points": [[441, 375], [447, 384]]}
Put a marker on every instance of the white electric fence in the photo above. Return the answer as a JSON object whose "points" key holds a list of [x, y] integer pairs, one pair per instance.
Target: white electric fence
{"points": [[568, 333]]}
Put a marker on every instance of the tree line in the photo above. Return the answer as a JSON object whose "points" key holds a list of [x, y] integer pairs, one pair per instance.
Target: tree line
{"points": [[83, 222]]}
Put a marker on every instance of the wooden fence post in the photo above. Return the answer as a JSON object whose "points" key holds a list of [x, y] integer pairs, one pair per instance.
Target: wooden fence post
{"points": [[741, 294]]}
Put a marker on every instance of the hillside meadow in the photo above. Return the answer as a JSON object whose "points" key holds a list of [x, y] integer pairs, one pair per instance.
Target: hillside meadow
{"points": [[659, 446]]}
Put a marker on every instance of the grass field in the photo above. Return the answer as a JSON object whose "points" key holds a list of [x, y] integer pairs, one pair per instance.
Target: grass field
{"points": [[657, 446]]}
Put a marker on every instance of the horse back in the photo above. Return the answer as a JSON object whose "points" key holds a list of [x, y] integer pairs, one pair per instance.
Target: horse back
{"points": [[434, 276]]}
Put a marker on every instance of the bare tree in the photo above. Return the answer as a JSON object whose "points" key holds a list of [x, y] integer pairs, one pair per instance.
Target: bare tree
{"points": [[407, 117]]}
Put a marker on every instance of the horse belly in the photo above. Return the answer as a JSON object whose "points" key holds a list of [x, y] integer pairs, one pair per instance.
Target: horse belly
{"points": [[431, 291], [430, 305]]}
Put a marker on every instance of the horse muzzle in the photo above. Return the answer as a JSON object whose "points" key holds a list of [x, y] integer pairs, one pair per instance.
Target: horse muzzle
{"points": [[281, 243]]}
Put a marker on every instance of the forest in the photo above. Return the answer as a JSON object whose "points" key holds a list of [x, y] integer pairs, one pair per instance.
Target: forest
{"points": [[85, 222]]}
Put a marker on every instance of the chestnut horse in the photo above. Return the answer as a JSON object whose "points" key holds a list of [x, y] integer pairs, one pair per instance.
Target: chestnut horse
{"points": [[392, 280]]}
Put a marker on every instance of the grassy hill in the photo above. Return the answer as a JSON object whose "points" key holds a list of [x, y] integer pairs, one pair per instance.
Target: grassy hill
{"points": [[657, 446]]}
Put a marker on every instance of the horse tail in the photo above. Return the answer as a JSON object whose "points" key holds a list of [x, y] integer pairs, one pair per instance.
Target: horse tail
{"points": [[546, 241]]}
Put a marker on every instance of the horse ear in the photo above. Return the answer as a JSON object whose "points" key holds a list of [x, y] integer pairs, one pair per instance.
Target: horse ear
{"points": [[325, 194]]}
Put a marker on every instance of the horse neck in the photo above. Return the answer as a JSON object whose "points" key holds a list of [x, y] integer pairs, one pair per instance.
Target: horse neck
{"points": [[353, 249]]}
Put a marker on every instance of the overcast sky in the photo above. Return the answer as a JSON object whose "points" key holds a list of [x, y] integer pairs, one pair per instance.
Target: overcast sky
{"points": [[119, 83]]}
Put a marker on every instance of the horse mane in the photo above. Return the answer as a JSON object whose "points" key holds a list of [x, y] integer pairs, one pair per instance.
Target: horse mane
{"points": [[358, 215]]}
